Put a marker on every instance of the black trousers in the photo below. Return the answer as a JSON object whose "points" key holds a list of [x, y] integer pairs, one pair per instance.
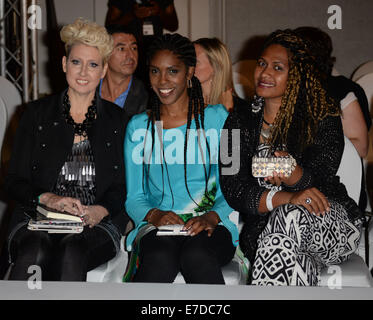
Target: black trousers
{"points": [[61, 257], [198, 258]]}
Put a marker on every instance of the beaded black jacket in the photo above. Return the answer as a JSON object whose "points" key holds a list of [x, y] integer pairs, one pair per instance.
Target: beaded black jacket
{"points": [[320, 162]]}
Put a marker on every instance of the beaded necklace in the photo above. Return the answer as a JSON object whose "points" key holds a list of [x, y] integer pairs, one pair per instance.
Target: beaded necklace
{"points": [[80, 129]]}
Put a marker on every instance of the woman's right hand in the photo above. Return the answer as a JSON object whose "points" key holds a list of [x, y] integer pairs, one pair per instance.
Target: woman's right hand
{"points": [[312, 199], [160, 218], [63, 204]]}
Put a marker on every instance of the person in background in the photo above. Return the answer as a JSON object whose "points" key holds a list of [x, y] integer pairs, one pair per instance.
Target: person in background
{"points": [[147, 18], [120, 84], [68, 156], [356, 120], [298, 224], [181, 189], [214, 71]]}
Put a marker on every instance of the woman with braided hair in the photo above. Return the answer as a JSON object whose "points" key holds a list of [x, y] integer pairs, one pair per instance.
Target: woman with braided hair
{"points": [[172, 173], [294, 225]]}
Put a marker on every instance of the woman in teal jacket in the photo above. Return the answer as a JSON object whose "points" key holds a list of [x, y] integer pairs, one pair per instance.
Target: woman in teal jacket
{"points": [[171, 160]]}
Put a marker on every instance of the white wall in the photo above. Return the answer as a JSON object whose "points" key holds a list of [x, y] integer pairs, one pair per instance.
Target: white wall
{"points": [[236, 21], [353, 44]]}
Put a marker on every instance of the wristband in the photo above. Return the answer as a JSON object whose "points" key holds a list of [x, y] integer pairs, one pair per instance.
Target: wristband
{"points": [[270, 195]]}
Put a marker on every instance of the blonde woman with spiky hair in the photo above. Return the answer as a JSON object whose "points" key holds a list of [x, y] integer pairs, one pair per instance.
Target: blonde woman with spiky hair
{"points": [[68, 156]]}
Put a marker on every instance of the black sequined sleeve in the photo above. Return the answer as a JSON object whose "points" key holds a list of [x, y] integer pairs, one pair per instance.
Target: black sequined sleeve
{"points": [[320, 161], [240, 188]]}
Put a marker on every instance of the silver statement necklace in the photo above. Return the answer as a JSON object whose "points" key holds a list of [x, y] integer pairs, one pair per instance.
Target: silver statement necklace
{"points": [[266, 132]]}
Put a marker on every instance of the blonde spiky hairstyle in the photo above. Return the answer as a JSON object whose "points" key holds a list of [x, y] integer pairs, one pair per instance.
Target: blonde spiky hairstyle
{"points": [[88, 33]]}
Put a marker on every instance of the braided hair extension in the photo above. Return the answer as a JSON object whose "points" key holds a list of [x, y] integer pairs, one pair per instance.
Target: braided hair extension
{"points": [[320, 45], [305, 101], [183, 48]]}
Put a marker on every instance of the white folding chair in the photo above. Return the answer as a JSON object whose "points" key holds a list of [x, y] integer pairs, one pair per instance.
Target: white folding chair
{"points": [[243, 78], [243, 86], [113, 270], [3, 122], [365, 79], [10, 95], [354, 272], [236, 271], [362, 70]]}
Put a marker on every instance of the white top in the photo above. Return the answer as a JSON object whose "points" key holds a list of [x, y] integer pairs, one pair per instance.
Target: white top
{"points": [[347, 100]]}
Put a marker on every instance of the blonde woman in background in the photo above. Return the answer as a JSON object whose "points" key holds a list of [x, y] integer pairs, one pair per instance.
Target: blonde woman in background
{"points": [[68, 156], [214, 71]]}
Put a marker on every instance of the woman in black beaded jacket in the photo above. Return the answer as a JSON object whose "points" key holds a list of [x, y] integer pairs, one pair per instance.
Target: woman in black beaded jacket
{"points": [[293, 225]]}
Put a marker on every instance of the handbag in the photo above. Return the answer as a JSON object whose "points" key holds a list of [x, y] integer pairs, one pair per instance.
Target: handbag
{"points": [[264, 166]]}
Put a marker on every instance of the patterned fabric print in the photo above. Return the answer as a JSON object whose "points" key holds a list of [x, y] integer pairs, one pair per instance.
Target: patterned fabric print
{"points": [[295, 245]]}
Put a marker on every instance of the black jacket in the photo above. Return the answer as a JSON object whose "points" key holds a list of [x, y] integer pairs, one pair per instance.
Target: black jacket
{"points": [[340, 86], [42, 144], [137, 99], [320, 162]]}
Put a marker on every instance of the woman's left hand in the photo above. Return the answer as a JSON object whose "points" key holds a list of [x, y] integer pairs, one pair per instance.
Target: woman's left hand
{"points": [[207, 221], [279, 178], [93, 215]]}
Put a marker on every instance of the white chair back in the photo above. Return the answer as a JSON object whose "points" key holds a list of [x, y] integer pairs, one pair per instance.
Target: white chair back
{"points": [[243, 78], [10, 95], [3, 122], [354, 272], [242, 85], [350, 170], [362, 70]]}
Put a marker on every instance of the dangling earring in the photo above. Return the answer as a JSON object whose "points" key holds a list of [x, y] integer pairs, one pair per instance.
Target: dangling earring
{"points": [[189, 83], [257, 104]]}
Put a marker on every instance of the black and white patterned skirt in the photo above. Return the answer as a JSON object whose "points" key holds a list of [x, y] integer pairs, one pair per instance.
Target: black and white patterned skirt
{"points": [[295, 245]]}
